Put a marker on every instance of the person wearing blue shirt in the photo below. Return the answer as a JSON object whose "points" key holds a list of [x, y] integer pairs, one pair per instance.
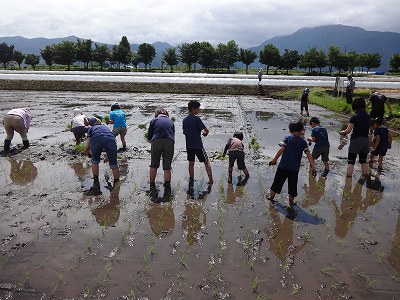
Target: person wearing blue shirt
{"points": [[291, 149], [359, 140], [193, 127], [319, 135], [118, 118], [99, 138], [161, 135]]}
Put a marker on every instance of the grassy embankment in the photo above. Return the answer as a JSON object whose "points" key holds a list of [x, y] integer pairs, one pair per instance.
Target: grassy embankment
{"points": [[325, 99]]}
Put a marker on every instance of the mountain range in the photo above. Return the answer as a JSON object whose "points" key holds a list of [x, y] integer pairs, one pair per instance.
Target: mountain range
{"points": [[347, 38]]}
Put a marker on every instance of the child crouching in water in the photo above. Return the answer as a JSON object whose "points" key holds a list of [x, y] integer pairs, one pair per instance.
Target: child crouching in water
{"points": [[291, 149], [382, 142], [235, 148]]}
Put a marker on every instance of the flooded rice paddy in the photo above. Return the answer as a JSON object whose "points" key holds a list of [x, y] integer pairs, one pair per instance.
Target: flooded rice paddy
{"points": [[224, 241]]}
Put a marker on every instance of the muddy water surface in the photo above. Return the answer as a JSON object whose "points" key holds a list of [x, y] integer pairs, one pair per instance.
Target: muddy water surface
{"points": [[224, 241]]}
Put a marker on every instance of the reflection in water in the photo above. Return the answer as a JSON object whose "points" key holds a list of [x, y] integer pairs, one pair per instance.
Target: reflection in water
{"points": [[107, 214], [194, 216], [81, 170], [314, 191], [22, 172], [394, 255], [351, 202], [281, 235], [233, 193], [161, 219]]}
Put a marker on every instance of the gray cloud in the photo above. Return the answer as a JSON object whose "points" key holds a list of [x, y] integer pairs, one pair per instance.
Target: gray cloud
{"points": [[248, 22]]}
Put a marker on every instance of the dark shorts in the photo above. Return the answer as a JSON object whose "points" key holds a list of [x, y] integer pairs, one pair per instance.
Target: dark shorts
{"points": [[280, 177], [376, 114], [162, 148], [109, 145], [200, 153], [303, 105], [379, 151], [239, 157], [349, 96], [323, 152], [80, 131], [359, 146]]}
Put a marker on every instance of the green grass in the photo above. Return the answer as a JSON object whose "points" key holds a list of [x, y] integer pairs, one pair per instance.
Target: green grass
{"points": [[324, 98]]}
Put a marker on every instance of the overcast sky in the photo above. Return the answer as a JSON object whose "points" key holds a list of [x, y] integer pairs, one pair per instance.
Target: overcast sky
{"points": [[248, 22]]}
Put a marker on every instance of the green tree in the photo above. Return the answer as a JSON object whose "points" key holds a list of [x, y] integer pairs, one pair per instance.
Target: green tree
{"points": [[124, 53], [84, 52], [135, 60], [353, 61], [208, 55], [290, 60], [65, 53], [332, 57], [189, 54], [270, 56], [394, 62], [309, 59], [170, 57], [6, 53], [228, 53], [321, 60], [247, 57], [19, 57], [47, 54], [372, 61], [147, 52], [101, 53], [342, 62], [33, 60]]}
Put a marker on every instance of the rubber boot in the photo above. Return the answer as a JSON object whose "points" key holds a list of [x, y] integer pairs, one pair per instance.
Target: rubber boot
{"points": [[7, 144], [26, 144]]}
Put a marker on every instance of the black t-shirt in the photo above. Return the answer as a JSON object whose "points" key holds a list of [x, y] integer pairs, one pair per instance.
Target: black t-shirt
{"points": [[378, 104], [361, 125]]}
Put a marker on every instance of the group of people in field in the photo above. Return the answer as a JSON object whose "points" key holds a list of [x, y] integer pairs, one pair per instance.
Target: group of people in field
{"points": [[161, 135]]}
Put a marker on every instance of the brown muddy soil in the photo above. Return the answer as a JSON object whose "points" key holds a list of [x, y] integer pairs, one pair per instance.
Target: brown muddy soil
{"points": [[224, 241]]}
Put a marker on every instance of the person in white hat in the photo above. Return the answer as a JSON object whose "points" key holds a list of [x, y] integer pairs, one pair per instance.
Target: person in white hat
{"points": [[78, 127]]}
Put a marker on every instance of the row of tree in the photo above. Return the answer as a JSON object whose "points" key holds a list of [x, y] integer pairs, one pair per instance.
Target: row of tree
{"points": [[191, 54]]}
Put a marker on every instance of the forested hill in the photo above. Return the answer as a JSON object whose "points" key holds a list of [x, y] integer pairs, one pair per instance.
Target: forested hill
{"points": [[348, 38]]}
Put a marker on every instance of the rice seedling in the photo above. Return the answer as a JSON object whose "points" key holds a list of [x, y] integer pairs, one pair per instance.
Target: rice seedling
{"points": [[380, 254], [254, 285], [106, 119], [142, 126], [328, 271], [296, 289], [79, 148], [396, 277]]}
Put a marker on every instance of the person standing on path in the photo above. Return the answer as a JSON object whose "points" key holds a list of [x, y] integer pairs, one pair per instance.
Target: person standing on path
{"points": [[161, 135], [193, 127], [350, 89], [19, 120], [118, 118], [260, 74], [304, 102], [378, 101]]}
